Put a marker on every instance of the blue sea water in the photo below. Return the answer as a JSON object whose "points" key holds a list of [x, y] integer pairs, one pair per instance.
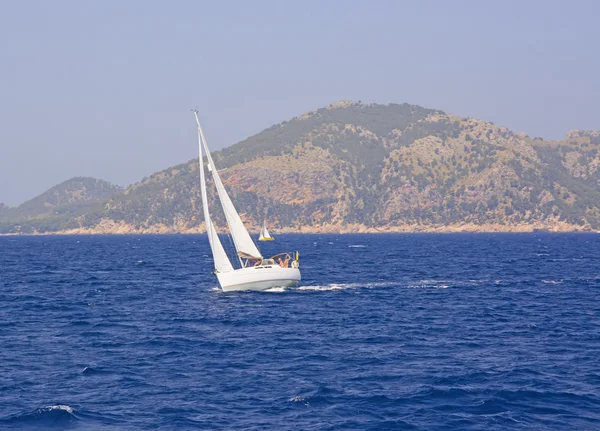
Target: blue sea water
{"points": [[423, 332]]}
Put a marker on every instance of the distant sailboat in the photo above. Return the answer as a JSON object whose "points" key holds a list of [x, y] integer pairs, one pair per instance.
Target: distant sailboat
{"points": [[254, 272], [264, 233]]}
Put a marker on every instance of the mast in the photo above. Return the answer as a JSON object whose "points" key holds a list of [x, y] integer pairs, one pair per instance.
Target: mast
{"points": [[221, 261], [241, 238], [264, 229]]}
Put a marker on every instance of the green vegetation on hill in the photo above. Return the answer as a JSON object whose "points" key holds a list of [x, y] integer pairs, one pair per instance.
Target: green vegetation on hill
{"points": [[282, 138], [380, 166], [59, 208]]}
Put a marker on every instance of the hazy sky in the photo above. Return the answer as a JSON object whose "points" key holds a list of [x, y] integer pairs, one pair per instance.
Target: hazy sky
{"points": [[104, 88]]}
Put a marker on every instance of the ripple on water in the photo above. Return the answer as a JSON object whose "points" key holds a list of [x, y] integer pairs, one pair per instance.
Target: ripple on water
{"points": [[455, 332]]}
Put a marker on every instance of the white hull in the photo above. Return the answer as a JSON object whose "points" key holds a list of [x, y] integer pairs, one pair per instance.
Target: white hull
{"points": [[258, 278]]}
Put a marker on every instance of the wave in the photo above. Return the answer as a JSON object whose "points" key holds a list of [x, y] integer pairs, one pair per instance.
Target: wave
{"points": [[297, 399], [58, 416], [322, 395], [66, 408], [552, 281], [429, 284], [93, 371]]}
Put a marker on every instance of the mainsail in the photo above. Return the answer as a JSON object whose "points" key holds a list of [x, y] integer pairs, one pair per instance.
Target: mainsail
{"points": [[222, 263], [241, 238]]}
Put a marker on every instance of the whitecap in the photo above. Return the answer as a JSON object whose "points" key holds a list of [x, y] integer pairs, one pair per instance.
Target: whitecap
{"points": [[377, 284], [428, 286], [297, 399], [61, 407], [357, 246], [552, 281]]}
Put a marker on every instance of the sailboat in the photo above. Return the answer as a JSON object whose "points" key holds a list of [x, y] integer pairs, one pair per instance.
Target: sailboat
{"points": [[251, 271], [264, 233]]}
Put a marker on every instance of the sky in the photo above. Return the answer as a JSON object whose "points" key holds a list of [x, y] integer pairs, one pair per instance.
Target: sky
{"points": [[105, 88]]}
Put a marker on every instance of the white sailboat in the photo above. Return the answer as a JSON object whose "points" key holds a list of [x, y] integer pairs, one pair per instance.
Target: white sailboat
{"points": [[264, 233], [254, 272]]}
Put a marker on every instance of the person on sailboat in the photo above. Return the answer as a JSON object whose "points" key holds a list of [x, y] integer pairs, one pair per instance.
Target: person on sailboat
{"points": [[284, 263]]}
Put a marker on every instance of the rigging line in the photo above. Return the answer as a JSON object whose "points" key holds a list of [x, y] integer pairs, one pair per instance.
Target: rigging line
{"points": [[229, 227], [225, 190], [226, 211], [284, 243], [231, 244], [213, 170]]}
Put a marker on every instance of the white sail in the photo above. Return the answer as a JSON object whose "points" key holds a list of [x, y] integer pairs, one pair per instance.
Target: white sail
{"points": [[264, 233], [241, 238], [222, 263]]}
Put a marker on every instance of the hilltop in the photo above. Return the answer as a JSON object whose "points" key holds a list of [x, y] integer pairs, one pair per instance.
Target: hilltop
{"points": [[60, 206], [353, 167]]}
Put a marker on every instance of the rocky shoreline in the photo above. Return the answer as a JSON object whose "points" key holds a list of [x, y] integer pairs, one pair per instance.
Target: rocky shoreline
{"points": [[110, 227]]}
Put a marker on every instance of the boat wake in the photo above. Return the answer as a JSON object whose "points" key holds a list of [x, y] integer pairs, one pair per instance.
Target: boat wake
{"points": [[276, 290], [421, 284], [330, 287]]}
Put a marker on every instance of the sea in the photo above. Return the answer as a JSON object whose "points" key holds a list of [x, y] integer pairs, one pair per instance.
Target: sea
{"points": [[385, 332]]}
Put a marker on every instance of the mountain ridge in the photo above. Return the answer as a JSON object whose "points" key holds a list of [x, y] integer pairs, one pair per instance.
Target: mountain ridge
{"points": [[352, 167], [69, 199]]}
